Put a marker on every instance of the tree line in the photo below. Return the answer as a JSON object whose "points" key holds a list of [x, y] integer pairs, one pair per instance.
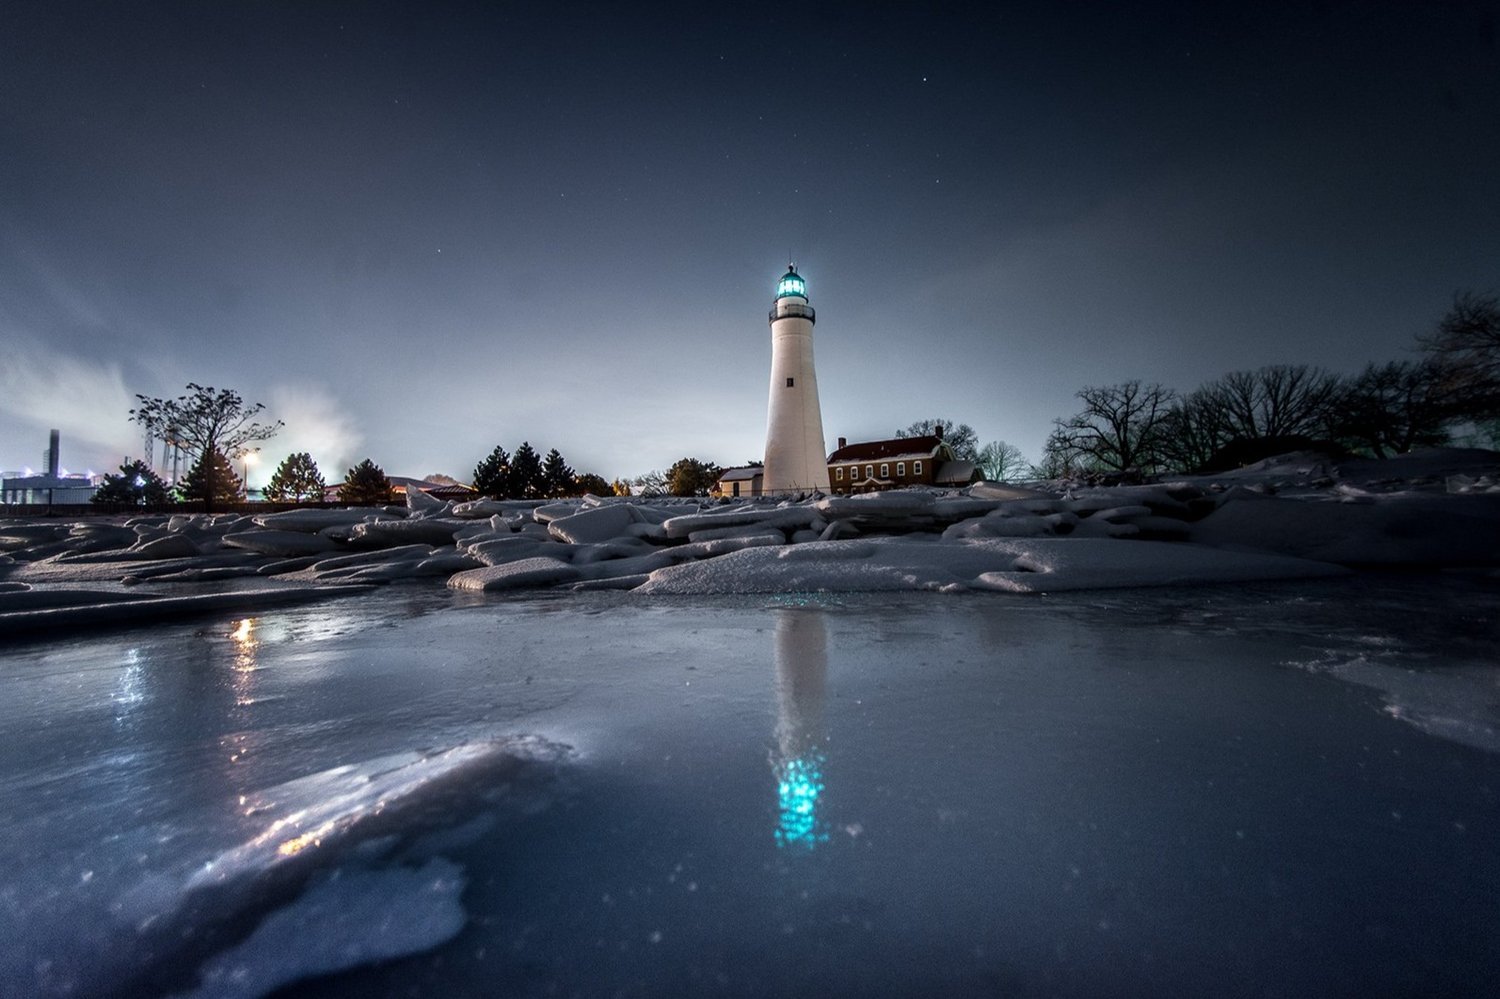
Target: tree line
{"points": [[1139, 428], [524, 475]]}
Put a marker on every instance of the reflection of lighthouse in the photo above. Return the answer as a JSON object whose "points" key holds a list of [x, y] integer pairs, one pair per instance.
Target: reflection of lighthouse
{"points": [[795, 457], [801, 674]]}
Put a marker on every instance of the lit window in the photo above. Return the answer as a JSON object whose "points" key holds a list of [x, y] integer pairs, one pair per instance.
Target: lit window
{"points": [[885, 470], [916, 468], [901, 469], [838, 474], [789, 382]]}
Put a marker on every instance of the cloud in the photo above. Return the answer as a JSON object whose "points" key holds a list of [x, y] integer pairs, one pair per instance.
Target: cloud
{"points": [[86, 400], [316, 422]]}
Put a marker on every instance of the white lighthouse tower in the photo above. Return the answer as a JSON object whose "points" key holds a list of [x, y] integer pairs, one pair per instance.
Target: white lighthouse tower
{"points": [[795, 457]]}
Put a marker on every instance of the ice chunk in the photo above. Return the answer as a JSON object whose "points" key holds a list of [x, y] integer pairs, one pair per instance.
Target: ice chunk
{"points": [[420, 504], [1034, 565], [596, 524], [687, 524], [522, 574], [312, 521], [284, 544], [383, 533], [349, 918]]}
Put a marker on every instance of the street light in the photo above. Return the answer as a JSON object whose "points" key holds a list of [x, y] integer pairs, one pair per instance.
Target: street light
{"points": [[249, 456]]}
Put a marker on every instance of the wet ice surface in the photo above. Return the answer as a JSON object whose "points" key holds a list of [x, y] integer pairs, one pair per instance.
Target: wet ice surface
{"points": [[1275, 789]]}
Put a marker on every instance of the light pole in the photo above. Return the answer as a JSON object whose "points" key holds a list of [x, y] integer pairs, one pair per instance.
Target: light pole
{"points": [[249, 456]]}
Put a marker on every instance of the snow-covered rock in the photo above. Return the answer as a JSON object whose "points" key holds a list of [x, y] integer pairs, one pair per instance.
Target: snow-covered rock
{"points": [[592, 525], [285, 544], [526, 573]]}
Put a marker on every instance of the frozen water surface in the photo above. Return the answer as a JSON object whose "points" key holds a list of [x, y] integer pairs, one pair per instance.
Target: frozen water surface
{"points": [[1267, 789]]}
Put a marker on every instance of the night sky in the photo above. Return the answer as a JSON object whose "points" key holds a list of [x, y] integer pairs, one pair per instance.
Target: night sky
{"points": [[417, 231]]}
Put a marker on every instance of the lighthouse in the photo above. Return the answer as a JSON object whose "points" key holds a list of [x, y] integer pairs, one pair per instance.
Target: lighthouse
{"points": [[795, 458]]}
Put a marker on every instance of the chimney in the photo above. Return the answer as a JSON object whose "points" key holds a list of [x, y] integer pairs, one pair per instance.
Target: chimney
{"points": [[938, 431], [843, 443], [52, 458]]}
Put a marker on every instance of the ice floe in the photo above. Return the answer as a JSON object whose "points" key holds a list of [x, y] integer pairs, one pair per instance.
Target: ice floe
{"points": [[1290, 517]]}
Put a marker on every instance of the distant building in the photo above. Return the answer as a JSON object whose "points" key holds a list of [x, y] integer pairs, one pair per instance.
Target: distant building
{"points": [[400, 483], [900, 461], [50, 489], [747, 480]]}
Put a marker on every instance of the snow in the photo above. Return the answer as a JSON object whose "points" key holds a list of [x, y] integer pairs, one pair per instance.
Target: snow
{"points": [[1288, 517], [1013, 566]]}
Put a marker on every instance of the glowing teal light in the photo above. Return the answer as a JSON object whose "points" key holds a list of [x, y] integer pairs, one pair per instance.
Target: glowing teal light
{"points": [[791, 283], [800, 784]]}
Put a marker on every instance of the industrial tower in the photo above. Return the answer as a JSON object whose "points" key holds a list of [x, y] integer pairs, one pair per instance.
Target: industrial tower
{"points": [[795, 457]]}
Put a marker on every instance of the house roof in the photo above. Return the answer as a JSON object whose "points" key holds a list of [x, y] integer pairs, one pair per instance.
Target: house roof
{"points": [[744, 474], [955, 472], [896, 447]]}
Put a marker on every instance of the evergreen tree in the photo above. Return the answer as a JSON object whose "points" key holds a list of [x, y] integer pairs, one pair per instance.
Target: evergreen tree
{"points": [[365, 485], [296, 478], [492, 475], [526, 481], [136, 485], [557, 477], [212, 480]]}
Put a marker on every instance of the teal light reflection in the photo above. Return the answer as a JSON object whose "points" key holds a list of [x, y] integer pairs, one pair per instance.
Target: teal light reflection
{"points": [[799, 785], [798, 762]]}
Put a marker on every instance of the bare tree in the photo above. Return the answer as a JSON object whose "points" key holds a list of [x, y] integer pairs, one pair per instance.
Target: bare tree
{"points": [[1395, 407], [1280, 400], [960, 437], [203, 421], [999, 460], [1120, 428], [1194, 430], [1466, 346]]}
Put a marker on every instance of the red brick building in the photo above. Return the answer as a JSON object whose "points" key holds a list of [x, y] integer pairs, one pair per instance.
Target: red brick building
{"points": [[895, 463]]}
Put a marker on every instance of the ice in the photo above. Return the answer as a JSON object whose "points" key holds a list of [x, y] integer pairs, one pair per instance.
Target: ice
{"points": [[349, 918], [520, 574], [896, 793], [325, 811], [1402, 529], [284, 544], [594, 524], [1432, 509], [1030, 566]]}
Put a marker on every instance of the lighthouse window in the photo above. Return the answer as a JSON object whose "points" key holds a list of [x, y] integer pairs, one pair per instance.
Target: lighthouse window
{"points": [[789, 382]]}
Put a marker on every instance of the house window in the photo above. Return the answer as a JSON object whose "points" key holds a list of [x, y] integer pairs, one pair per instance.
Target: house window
{"points": [[789, 382], [869, 471], [838, 474], [736, 488], [901, 469], [916, 468], [885, 470]]}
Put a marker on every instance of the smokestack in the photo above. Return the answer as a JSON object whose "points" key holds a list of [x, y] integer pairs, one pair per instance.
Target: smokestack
{"points": [[938, 431], [52, 461]]}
